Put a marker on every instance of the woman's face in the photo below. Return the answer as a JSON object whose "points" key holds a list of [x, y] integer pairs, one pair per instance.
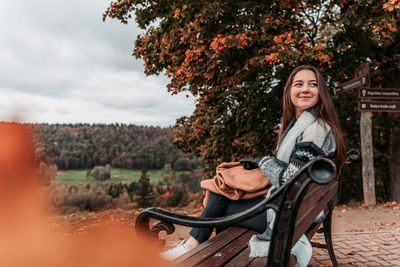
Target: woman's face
{"points": [[304, 92]]}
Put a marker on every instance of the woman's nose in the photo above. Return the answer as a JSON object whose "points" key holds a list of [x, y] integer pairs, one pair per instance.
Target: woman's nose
{"points": [[305, 88]]}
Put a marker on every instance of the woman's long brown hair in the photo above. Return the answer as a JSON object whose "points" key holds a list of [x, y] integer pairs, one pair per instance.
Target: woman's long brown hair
{"points": [[323, 110]]}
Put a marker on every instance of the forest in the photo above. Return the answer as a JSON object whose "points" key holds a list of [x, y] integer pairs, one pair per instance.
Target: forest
{"points": [[83, 146]]}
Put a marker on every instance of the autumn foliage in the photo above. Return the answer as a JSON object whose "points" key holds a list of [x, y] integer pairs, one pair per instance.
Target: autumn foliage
{"points": [[234, 57]]}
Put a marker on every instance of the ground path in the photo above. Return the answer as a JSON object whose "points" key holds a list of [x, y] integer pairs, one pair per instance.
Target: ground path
{"points": [[362, 235]]}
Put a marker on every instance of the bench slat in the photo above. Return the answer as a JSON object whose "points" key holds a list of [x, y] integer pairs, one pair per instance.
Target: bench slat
{"points": [[227, 253], [304, 220], [258, 262], [210, 247], [242, 259]]}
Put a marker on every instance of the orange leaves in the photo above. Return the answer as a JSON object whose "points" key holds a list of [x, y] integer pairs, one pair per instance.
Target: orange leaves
{"points": [[218, 44], [167, 194], [244, 39], [391, 5], [321, 57], [285, 38], [177, 13], [392, 27], [318, 48], [240, 142], [377, 29], [208, 76], [271, 58]]}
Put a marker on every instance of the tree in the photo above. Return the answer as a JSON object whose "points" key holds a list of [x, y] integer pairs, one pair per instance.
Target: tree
{"points": [[144, 190], [167, 173], [101, 173], [234, 57]]}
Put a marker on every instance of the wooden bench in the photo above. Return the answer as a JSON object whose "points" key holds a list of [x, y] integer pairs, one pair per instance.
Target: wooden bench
{"points": [[314, 188]]}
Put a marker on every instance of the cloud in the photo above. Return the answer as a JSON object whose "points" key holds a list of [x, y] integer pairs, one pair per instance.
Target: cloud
{"points": [[61, 63]]}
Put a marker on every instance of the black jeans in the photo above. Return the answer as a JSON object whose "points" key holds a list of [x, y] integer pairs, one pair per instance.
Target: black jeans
{"points": [[219, 206]]}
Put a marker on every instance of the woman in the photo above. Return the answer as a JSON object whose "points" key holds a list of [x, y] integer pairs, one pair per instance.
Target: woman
{"points": [[309, 128]]}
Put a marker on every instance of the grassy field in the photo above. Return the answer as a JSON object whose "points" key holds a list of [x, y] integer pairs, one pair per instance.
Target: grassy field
{"points": [[117, 175]]}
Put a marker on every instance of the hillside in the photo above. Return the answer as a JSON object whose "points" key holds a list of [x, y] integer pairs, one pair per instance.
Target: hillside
{"points": [[81, 146]]}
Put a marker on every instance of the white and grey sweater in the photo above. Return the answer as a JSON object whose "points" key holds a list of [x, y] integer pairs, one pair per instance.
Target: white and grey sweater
{"points": [[316, 139], [306, 149]]}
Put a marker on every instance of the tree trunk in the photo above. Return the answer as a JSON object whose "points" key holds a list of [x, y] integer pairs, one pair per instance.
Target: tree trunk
{"points": [[394, 164]]}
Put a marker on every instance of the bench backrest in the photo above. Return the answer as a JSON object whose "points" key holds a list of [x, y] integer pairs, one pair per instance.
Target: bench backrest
{"points": [[303, 202]]}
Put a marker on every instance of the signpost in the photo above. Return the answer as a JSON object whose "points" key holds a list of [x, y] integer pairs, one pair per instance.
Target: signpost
{"points": [[367, 150], [352, 84], [371, 100], [382, 106], [379, 93]]}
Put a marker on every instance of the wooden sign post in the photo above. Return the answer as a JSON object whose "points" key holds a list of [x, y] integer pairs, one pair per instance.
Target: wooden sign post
{"points": [[367, 155], [367, 150]]}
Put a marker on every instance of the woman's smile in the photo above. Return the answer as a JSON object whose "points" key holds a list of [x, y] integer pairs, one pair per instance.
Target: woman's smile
{"points": [[304, 92]]}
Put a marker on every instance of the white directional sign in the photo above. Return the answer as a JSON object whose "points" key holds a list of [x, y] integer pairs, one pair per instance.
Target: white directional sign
{"points": [[383, 106], [352, 84], [379, 93]]}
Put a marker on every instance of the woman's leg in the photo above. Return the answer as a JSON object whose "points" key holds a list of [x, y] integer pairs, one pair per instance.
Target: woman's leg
{"points": [[219, 206], [257, 223], [216, 207]]}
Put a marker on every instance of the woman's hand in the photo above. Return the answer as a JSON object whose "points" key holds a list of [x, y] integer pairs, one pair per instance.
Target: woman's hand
{"points": [[250, 163]]}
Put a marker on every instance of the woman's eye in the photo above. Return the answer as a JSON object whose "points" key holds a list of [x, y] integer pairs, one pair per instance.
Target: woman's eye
{"points": [[297, 84], [314, 84]]}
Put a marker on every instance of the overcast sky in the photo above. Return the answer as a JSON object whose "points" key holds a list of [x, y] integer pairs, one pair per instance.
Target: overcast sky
{"points": [[60, 63]]}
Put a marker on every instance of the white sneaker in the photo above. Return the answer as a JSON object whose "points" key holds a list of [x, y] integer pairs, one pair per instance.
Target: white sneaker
{"points": [[175, 252]]}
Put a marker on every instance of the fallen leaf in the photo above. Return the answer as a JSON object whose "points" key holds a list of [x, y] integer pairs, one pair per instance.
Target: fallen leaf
{"points": [[386, 244], [349, 252], [181, 237], [355, 230], [375, 248]]}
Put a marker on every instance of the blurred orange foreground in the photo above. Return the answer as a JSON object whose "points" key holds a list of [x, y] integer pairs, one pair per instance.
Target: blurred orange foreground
{"points": [[26, 238]]}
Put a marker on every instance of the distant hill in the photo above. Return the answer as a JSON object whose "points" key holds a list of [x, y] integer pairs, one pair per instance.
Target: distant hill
{"points": [[80, 146]]}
